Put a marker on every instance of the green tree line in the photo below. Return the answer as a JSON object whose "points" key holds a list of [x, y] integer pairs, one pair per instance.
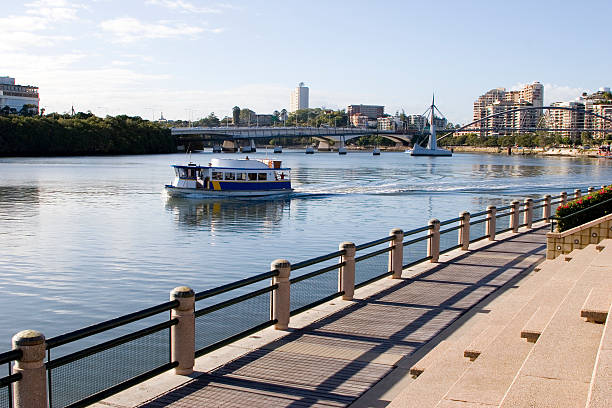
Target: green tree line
{"points": [[542, 139], [82, 134]]}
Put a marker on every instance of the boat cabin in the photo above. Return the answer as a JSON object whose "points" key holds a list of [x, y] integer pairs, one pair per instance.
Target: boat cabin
{"points": [[227, 174]]}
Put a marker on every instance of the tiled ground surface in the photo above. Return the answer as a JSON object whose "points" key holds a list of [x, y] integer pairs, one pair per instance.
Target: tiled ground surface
{"points": [[336, 359]]}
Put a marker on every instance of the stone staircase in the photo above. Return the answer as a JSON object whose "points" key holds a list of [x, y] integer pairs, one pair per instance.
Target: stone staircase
{"points": [[543, 343]]}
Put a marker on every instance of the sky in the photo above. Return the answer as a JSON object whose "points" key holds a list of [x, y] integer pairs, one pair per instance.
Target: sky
{"points": [[187, 58]]}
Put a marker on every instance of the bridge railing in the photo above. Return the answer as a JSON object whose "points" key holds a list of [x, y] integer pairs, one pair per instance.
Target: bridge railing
{"points": [[90, 364]]}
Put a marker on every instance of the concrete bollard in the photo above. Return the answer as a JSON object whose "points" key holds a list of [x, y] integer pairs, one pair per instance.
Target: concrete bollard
{"points": [[281, 297], [577, 194], [464, 231], [346, 275], [491, 222], [563, 198], [396, 255], [546, 210], [514, 215], [182, 335], [528, 214], [433, 243], [31, 390]]}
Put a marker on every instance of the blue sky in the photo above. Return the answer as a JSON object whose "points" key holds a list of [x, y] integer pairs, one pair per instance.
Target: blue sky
{"points": [[186, 58]]}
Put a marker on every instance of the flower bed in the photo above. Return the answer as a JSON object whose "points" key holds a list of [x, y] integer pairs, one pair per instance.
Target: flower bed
{"points": [[584, 209]]}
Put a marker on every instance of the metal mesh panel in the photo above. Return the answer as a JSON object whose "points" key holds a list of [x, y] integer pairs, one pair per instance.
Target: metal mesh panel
{"points": [[449, 239], [502, 223], [310, 290], [221, 324], [371, 267], [478, 230], [79, 379], [415, 251], [4, 397]]}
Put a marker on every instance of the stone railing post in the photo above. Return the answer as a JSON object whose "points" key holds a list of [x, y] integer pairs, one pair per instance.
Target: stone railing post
{"points": [[182, 335], [577, 194], [31, 390], [591, 189], [528, 214], [346, 275], [514, 215], [491, 222], [281, 297], [433, 243], [563, 198], [396, 255], [547, 207], [464, 231]]}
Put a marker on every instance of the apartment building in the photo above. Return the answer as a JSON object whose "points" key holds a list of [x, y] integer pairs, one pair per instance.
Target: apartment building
{"points": [[567, 119], [498, 101], [598, 103], [299, 98], [371, 111], [15, 96]]}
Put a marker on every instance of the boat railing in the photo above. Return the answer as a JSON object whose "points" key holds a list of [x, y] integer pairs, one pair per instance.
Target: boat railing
{"points": [[87, 365]]}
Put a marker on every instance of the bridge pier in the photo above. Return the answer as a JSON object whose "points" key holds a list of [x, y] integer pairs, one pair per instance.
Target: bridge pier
{"points": [[229, 146]]}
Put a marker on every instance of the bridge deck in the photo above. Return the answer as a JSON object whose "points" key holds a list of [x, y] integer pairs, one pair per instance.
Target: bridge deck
{"points": [[333, 361]]}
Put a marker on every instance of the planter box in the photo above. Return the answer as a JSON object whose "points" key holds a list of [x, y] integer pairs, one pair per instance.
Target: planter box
{"points": [[593, 232]]}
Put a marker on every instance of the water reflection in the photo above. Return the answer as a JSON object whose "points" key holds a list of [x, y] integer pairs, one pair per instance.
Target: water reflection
{"points": [[231, 215]]}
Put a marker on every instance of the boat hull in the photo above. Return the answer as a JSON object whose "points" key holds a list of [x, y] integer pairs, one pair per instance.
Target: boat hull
{"points": [[421, 151], [200, 193]]}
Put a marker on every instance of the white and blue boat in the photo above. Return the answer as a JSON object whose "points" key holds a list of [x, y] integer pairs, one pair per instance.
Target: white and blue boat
{"points": [[231, 178]]}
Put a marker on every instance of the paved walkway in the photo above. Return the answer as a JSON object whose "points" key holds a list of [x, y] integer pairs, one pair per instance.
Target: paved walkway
{"points": [[335, 360]]}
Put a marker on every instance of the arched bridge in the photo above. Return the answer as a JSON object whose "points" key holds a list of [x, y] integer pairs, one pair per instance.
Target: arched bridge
{"points": [[470, 126], [335, 134]]}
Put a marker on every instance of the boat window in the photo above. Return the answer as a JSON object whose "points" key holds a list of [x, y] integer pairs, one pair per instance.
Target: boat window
{"points": [[262, 176], [230, 176], [217, 175], [252, 176], [176, 172], [241, 176], [191, 173], [182, 172]]}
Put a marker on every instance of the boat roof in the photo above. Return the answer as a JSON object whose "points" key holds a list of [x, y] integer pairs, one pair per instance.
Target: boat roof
{"points": [[235, 164]]}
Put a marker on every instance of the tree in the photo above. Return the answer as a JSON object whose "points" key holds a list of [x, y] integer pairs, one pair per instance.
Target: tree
{"points": [[236, 115]]}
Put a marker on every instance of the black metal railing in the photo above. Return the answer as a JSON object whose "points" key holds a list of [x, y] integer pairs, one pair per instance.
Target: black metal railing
{"points": [[224, 322], [226, 313], [7, 358], [83, 377]]}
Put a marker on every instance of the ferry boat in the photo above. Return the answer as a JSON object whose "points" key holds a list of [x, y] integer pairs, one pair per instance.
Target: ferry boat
{"points": [[231, 178]]}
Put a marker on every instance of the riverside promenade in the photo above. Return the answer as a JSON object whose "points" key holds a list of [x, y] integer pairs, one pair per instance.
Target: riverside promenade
{"points": [[356, 352]]}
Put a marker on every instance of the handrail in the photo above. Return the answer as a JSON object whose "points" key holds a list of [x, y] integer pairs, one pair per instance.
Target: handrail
{"points": [[417, 230], [235, 285], [446, 222], [109, 324], [317, 272], [316, 260], [9, 379], [11, 355], [224, 304], [374, 243], [481, 213], [450, 229]]}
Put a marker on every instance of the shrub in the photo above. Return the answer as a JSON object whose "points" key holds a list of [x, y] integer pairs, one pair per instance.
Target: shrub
{"points": [[595, 205]]}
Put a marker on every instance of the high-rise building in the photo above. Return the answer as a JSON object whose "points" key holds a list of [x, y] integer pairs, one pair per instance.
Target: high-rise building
{"points": [[371, 111], [16, 96], [599, 103], [299, 98], [497, 101], [567, 119]]}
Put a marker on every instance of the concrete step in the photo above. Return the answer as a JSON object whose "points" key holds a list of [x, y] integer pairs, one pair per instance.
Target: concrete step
{"points": [[600, 395], [596, 306], [502, 351], [558, 370]]}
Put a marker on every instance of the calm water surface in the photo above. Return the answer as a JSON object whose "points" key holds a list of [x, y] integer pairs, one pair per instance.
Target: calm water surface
{"points": [[84, 239]]}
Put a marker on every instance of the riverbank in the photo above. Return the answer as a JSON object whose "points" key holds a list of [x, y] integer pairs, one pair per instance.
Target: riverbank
{"points": [[82, 135], [541, 151]]}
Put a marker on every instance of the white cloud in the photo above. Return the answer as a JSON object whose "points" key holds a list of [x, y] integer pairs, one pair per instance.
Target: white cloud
{"points": [[186, 7], [554, 92], [53, 10], [128, 29]]}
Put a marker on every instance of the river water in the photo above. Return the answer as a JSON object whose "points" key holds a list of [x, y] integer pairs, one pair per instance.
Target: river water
{"points": [[85, 239]]}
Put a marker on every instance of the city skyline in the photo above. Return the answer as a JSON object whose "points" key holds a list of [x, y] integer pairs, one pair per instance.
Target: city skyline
{"points": [[189, 58]]}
